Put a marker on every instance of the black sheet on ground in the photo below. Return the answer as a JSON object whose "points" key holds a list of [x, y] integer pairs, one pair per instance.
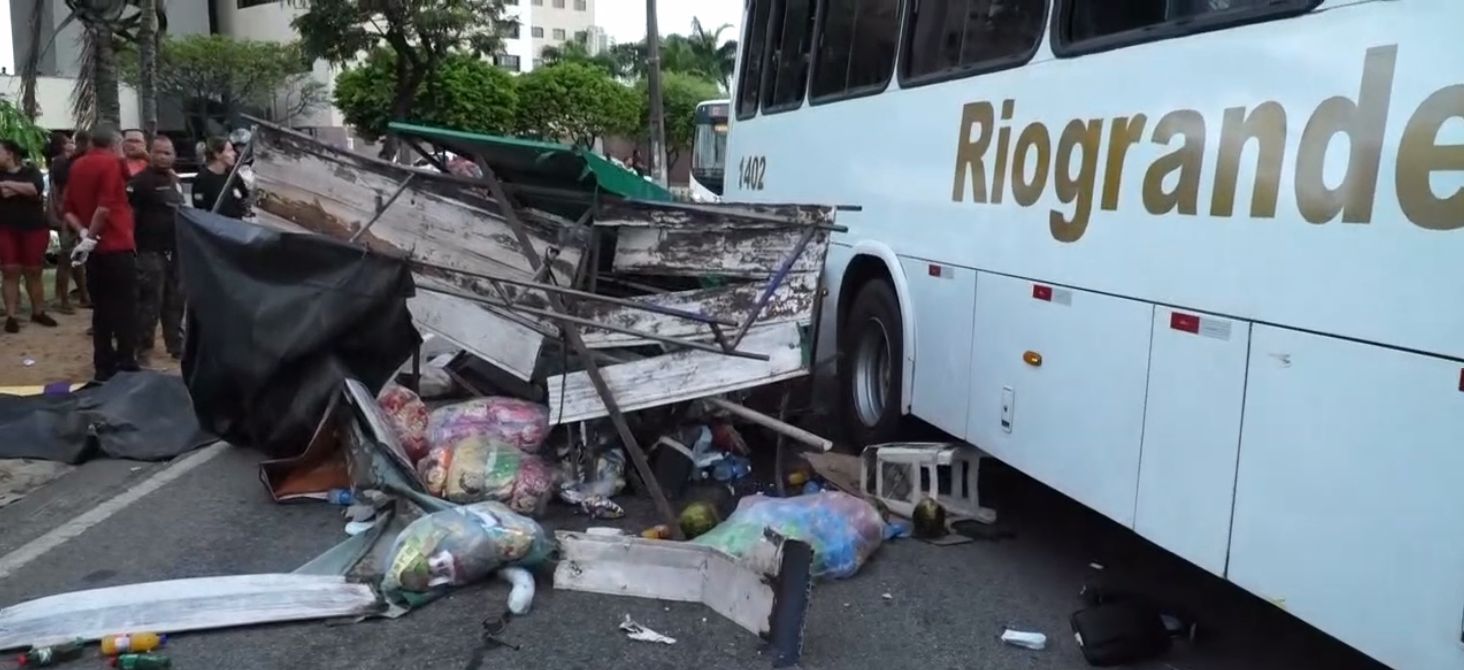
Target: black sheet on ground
{"points": [[277, 320], [143, 416]]}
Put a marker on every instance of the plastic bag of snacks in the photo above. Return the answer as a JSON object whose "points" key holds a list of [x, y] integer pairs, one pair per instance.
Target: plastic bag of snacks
{"points": [[842, 529], [475, 469], [408, 416], [519, 423], [461, 546]]}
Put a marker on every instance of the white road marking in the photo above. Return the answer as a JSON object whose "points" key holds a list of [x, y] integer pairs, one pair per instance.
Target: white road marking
{"points": [[68, 531]]}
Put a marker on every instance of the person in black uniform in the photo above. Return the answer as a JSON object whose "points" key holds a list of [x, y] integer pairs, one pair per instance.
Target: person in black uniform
{"points": [[155, 199], [220, 155]]}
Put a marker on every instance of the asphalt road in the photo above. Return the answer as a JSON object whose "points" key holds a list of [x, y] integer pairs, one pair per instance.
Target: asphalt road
{"points": [[945, 608]]}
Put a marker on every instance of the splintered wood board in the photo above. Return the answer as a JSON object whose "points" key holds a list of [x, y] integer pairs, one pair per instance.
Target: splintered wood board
{"points": [[684, 375], [503, 342], [700, 252], [182, 605], [732, 215], [336, 196], [622, 565], [793, 301]]}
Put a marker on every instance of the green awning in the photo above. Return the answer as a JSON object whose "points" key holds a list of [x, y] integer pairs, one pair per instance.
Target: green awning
{"points": [[536, 163]]}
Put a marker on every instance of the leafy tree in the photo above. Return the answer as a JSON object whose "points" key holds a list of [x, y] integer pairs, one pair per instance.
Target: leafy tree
{"points": [[702, 53], [711, 54], [422, 34], [107, 26], [465, 93], [680, 94], [578, 51], [233, 76], [15, 126], [576, 103]]}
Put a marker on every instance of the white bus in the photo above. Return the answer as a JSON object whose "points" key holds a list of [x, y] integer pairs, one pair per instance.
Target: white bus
{"points": [[709, 150], [1198, 264]]}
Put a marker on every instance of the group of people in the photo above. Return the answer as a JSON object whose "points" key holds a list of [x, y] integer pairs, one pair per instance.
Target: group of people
{"points": [[114, 198]]}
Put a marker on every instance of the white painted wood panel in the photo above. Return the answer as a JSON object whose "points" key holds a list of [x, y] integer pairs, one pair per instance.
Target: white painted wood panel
{"points": [[505, 343], [1350, 490], [703, 252], [680, 376], [1192, 435], [793, 301]]}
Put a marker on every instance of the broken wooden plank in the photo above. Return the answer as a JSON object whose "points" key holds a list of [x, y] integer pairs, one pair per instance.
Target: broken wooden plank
{"points": [[681, 376], [634, 213], [631, 566], [183, 605], [793, 301], [728, 252], [505, 343], [335, 193]]}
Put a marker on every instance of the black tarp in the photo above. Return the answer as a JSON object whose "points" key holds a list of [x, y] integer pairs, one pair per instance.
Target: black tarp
{"points": [[137, 415], [277, 320]]}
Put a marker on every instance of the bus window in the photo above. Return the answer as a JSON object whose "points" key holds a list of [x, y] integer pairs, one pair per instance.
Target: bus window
{"points": [[951, 36], [856, 47], [1146, 20], [754, 39], [792, 40]]}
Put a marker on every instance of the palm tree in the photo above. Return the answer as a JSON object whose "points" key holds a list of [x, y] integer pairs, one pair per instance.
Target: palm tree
{"points": [[106, 26], [713, 56]]}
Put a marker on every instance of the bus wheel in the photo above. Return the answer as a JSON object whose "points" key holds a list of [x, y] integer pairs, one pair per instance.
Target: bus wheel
{"points": [[871, 339]]}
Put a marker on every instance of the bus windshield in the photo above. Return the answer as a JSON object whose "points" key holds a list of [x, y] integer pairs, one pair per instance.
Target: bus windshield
{"points": [[709, 146]]}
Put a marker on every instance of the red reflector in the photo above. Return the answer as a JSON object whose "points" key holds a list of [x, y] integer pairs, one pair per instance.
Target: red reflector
{"points": [[934, 270], [1188, 323], [1041, 292]]}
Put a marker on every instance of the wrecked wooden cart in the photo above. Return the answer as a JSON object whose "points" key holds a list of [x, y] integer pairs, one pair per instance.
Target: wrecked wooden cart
{"points": [[575, 280]]}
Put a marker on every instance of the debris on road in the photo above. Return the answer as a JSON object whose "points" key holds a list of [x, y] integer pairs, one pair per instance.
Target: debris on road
{"points": [[461, 546], [640, 633], [182, 605], [42, 657], [1024, 639], [747, 589], [131, 643], [142, 662], [903, 474], [842, 529]]}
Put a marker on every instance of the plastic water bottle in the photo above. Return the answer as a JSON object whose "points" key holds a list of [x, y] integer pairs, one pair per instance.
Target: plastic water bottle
{"points": [[134, 643], [731, 468], [142, 662], [340, 497], [42, 657]]}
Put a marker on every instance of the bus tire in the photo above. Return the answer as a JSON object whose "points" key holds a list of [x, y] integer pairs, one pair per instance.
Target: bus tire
{"points": [[872, 341]]}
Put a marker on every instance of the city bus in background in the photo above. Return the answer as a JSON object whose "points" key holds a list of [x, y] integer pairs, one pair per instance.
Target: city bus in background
{"points": [[1195, 264], [709, 151]]}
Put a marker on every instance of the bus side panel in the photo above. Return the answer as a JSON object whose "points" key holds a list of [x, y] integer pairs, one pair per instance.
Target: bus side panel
{"points": [[1073, 419], [942, 303], [826, 349], [1192, 434], [1348, 496]]}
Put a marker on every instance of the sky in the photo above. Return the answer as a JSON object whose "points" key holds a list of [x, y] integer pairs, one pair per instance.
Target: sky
{"points": [[625, 20]]}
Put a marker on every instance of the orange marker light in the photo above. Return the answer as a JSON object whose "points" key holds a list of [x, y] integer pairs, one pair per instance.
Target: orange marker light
{"points": [[1032, 358]]}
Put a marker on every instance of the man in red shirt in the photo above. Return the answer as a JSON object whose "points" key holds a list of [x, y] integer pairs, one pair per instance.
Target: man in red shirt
{"points": [[96, 206]]}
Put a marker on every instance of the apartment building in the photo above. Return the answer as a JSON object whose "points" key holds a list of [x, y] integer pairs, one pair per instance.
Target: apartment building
{"points": [[555, 22]]}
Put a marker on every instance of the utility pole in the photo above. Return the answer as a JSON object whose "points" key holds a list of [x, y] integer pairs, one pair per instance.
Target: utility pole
{"points": [[147, 52], [653, 88]]}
